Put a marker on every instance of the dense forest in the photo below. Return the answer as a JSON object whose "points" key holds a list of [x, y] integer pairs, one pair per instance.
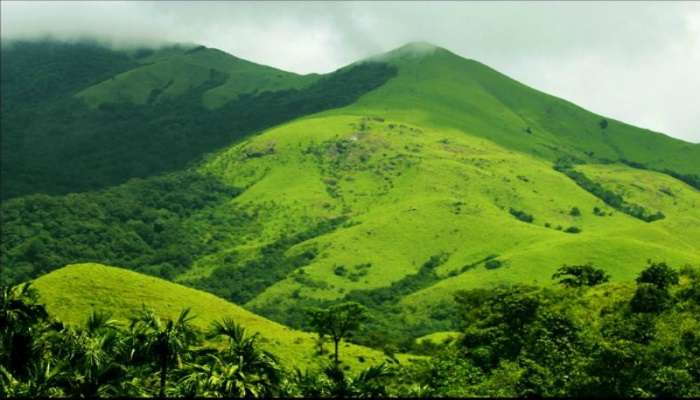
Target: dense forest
{"points": [[141, 225], [580, 337]]}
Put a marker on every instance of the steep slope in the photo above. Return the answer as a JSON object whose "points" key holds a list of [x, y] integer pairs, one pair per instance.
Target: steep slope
{"points": [[410, 193], [433, 176], [72, 292], [163, 112], [438, 88]]}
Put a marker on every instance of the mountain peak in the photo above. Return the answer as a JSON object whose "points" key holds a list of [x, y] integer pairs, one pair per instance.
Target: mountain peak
{"points": [[409, 51]]}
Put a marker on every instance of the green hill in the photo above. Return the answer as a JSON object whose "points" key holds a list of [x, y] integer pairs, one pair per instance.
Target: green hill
{"points": [[142, 112], [438, 163], [175, 71], [438, 88], [395, 181], [71, 293]]}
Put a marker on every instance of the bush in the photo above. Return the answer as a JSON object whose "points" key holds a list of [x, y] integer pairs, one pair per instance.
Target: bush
{"points": [[610, 198], [340, 270], [649, 298], [581, 275], [493, 264], [575, 212], [573, 229], [660, 275], [521, 215]]}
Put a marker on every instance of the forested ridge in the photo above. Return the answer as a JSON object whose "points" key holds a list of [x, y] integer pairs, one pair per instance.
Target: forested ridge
{"points": [[55, 143]]}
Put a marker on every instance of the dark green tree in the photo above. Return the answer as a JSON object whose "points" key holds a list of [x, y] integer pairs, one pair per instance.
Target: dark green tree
{"points": [[165, 342], [660, 275], [580, 275], [338, 322]]}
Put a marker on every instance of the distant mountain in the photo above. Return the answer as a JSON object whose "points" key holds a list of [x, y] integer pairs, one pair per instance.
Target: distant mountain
{"points": [[394, 181]]}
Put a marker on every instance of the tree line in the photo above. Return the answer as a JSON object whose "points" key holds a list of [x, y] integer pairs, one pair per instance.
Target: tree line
{"points": [[580, 337]]}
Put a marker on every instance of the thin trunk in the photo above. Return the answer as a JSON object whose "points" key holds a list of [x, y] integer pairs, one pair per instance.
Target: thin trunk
{"points": [[336, 341], [163, 373]]}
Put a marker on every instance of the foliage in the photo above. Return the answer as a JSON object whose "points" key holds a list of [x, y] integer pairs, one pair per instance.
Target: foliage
{"points": [[660, 275], [59, 144], [611, 198], [338, 322], [521, 215], [139, 225], [241, 283], [516, 341], [152, 357], [520, 341], [580, 275]]}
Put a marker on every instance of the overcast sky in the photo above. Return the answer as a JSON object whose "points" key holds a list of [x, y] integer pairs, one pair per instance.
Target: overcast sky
{"points": [[637, 62]]}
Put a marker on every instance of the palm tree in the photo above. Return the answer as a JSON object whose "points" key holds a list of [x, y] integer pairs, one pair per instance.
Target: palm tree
{"points": [[91, 352], [20, 316], [332, 381], [165, 343], [44, 380], [244, 369]]}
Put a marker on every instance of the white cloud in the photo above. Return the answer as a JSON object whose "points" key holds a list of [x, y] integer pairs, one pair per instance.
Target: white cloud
{"points": [[636, 62]]}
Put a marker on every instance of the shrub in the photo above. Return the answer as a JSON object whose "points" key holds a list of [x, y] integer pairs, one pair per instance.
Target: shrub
{"points": [[340, 270], [573, 229], [660, 275], [581, 275], [493, 264], [521, 215], [575, 212], [649, 298]]}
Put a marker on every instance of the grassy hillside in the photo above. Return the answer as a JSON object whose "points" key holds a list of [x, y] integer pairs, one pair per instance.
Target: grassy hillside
{"points": [[72, 292], [162, 114], [173, 72], [438, 88], [395, 182], [412, 192]]}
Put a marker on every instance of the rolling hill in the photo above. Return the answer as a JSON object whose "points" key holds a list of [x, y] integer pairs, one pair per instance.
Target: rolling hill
{"points": [[395, 182], [71, 293]]}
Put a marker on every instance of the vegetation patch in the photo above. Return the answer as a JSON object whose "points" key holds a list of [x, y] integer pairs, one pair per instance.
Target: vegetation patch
{"points": [[521, 215], [241, 283], [611, 198], [141, 225]]}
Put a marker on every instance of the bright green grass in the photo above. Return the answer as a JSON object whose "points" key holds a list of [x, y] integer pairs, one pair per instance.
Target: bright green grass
{"points": [[439, 337], [72, 292], [439, 175], [174, 71], [438, 88], [415, 191]]}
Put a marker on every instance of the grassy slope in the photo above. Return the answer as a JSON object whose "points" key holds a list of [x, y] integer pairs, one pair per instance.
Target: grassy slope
{"points": [[439, 174], [438, 88], [443, 178], [425, 191], [71, 292], [174, 71]]}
